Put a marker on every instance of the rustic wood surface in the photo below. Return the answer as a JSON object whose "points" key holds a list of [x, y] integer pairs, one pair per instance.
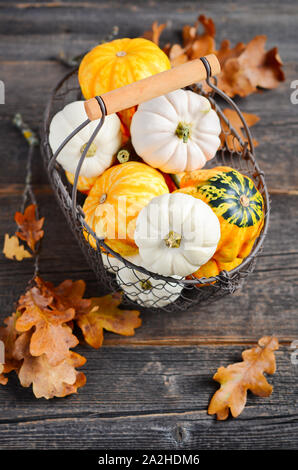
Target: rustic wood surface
{"points": [[152, 390]]}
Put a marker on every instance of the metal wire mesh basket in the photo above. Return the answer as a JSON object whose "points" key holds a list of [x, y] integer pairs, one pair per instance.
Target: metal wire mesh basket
{"points": [[234, 152]]}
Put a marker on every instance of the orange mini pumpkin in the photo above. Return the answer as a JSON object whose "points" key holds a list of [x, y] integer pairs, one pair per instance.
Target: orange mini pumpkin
{"points": [[119, 63], [115, 201], [84, 184]]}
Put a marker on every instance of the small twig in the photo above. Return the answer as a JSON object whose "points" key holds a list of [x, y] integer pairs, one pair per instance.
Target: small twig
{"points": [[28, 193]]}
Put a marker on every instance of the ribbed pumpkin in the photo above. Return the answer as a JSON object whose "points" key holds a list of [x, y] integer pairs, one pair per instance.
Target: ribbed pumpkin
{"points": [[84, 184], [213, 268], [237, 203], [115, 201], [119, 63]]}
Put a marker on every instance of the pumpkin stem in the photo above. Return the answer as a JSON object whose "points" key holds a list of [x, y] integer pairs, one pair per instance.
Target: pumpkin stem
{"points": [[146, 285], [244, 200], [91, 151], [123, 156], [173, 240], [183, 131]]}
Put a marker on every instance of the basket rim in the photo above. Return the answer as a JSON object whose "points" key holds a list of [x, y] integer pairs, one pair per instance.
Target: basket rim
{"points": [[223, 275]]}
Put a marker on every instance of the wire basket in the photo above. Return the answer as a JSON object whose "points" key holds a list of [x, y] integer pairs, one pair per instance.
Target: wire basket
{"points": [[234, 152]]}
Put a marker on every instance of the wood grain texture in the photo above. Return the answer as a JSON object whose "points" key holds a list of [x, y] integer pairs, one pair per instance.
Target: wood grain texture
{"points": [[152, 390], [169, 409]]}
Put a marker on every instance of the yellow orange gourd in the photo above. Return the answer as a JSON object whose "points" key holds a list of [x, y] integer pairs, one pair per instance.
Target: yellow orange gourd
{"points": [[84, 184], [236, 202], [213, 268], [115, 201], [119, 63]]}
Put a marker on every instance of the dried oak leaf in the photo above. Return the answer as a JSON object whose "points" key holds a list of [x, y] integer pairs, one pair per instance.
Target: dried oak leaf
{"points": [[227, 138], [105, 314], [51, 335], [194, 45], [69, 294], [237, 378], [154, 33], [8, 336], [48, 380], [13, 250], [225, 52], [31, 229], [254, 67]]}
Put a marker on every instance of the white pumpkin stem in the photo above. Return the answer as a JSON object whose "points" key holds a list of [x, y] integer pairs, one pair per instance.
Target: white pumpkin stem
{"points": [[173, 239], [91, 151], [146, 285], [183, 131]]}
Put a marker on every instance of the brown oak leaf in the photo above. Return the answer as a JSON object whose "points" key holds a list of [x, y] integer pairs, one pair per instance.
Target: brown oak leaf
{"points": [[51, 335], [105, 314], [31, 229], [227, 138], [252, 68], [8, 336], [48, 380], [13, 250], [238, 378], [154, 33]]}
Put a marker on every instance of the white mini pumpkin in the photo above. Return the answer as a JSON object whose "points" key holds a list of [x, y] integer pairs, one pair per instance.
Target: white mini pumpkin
{"points": [[176, 234], [100, 155], [176, 132], [145, 290]]}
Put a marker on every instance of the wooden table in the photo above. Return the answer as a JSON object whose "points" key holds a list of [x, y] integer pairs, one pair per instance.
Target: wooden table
{"points": [[152, 390]]}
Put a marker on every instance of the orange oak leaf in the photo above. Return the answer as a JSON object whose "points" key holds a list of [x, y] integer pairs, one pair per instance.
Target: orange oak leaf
{"points": [[225, 52], [48, 380], [238, 378], [51, 335], [31, 229], [105, 314], [8, 336], [13, 250], [227, 139], [154, 33], [252, 68]]}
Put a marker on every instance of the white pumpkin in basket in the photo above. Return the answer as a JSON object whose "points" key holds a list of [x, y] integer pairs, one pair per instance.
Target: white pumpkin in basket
{"points": [[176, 132], [176, 234], [144, 289], [100, 155]]}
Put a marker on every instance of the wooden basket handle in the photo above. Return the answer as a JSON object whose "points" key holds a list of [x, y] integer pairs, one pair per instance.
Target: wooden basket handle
{"points": [[144, 90]]}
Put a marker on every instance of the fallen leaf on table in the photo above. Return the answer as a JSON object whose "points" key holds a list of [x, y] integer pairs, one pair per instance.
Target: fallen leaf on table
{"points": [[237, 378], [8, 336], [154, 33], [105, 314], [195, 45], [48, 380], [31, 229], [227, 138], [51, 335], [13, 250], [244, 67]]}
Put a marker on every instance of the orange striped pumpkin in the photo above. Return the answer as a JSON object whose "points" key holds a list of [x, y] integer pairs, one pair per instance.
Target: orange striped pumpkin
{"points": [[115, 201], [84, 184]]}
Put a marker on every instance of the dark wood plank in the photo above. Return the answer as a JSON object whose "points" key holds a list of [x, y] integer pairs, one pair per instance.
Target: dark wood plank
{"points": [[152, 398]]}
